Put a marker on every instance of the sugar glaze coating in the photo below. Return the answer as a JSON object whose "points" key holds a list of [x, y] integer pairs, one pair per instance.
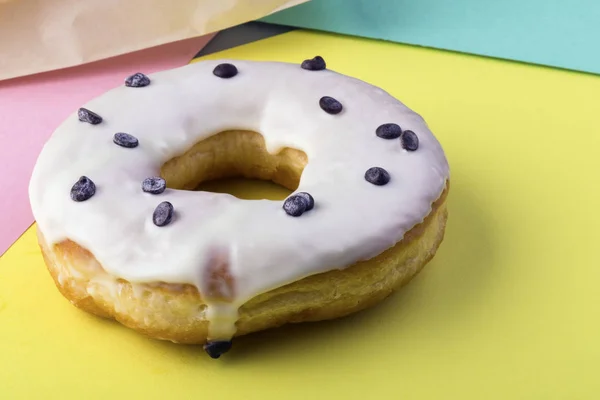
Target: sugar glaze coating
{"points": [[265, 248]]}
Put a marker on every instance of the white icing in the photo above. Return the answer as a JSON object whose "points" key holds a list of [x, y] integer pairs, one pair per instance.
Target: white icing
{"points": [[352, 220]]}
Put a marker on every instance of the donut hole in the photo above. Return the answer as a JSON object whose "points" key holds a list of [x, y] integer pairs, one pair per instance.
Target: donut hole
{"points": [[236, 162]]}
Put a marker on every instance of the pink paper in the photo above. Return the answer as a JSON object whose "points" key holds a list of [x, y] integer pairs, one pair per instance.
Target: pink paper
{"points": [[33, 106]]}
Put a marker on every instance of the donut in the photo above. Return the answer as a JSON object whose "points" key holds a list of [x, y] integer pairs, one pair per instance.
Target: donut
{"points": [[126, 235]]}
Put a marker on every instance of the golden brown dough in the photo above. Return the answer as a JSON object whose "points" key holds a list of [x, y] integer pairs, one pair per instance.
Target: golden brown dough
{"points": [[177, 312]]}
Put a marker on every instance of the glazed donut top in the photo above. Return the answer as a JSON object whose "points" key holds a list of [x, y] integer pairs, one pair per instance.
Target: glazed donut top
{"points": [[374, 169]]}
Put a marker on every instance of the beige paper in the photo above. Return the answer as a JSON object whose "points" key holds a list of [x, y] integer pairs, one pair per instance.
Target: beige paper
{"points": [[42, 35]]}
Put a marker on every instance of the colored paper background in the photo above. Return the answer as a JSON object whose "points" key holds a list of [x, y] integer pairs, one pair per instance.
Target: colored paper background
{"points": [[557, 33], [32, 107], [506, 310]]}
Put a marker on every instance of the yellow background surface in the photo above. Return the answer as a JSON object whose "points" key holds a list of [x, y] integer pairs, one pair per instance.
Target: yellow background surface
{"points": [[508, 309]]}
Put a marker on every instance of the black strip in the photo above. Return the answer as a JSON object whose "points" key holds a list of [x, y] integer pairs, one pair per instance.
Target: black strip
{"points": [[242, 34]]}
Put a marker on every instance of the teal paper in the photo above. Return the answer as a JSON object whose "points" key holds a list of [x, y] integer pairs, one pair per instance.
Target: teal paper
{"points": [[558, 33]]}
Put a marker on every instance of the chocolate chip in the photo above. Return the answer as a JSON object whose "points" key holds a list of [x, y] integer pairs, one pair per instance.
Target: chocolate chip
{"points": [[217, 348], [295, 205], [388, 131], [163, 214], [409, 141], [83, 189], [330, 105], [88, 116], [137, 80], [154, 185], [377, 176], [315, 64], [310, 202], [225, 70], [125, 140]]}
